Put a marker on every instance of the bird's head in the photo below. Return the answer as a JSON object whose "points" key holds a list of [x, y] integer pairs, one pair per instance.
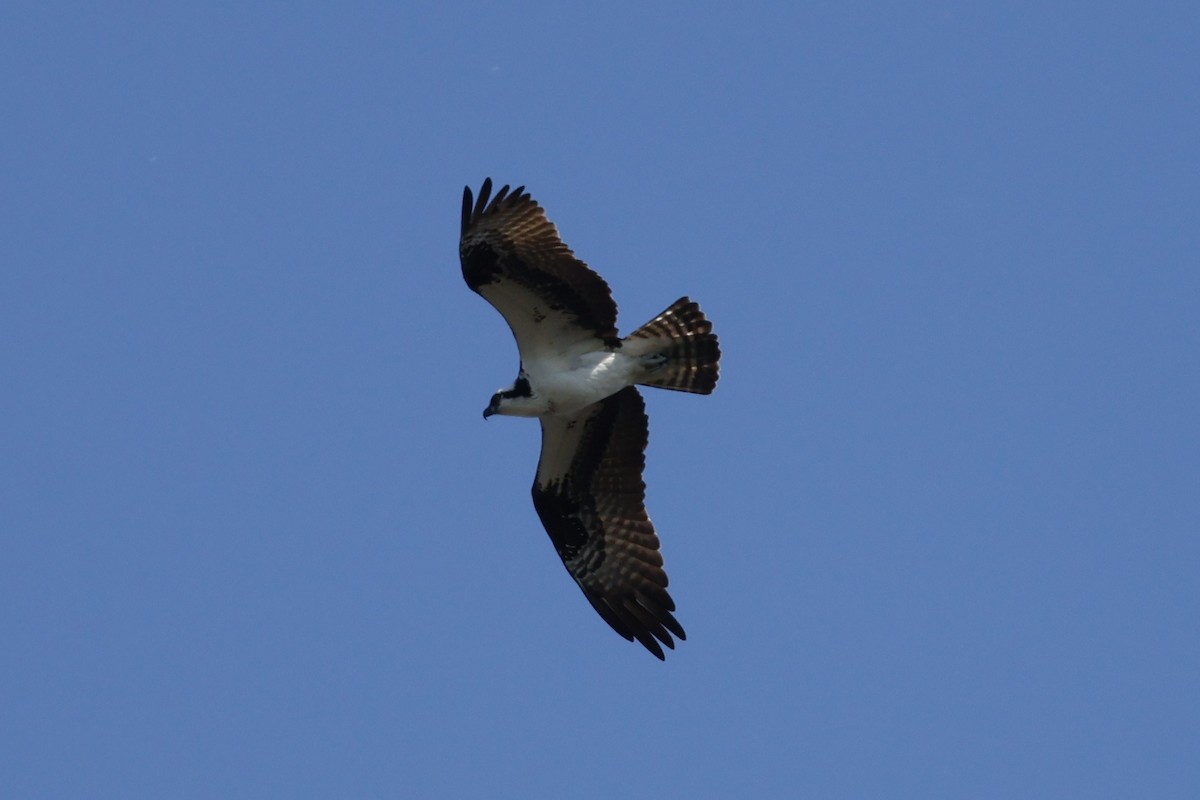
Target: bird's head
{"points": [[517, 400]]}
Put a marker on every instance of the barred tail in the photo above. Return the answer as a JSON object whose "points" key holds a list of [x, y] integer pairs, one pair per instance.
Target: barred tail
{"points": [[680, 347]]}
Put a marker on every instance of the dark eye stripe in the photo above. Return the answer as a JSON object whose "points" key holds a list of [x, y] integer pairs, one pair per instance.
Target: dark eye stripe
{"points": [[520, 389]]}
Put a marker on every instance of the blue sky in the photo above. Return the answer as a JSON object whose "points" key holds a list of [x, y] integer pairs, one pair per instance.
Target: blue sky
{"points": [[935, 535]]}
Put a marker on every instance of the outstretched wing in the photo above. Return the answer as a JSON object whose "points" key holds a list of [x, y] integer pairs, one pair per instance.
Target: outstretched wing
{"points": [[591, 499], [512, 255]]}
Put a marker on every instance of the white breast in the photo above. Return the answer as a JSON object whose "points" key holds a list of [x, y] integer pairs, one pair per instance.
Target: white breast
{"points": [[569, 384]]}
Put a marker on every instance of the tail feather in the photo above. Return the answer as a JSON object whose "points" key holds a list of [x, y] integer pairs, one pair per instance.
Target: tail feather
{"points": [[684, 338]]}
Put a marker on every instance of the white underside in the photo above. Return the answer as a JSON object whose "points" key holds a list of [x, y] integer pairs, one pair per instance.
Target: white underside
{"points": [[562, 385]]}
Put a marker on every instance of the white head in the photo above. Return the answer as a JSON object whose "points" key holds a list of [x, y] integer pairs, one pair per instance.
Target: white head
{"points": [[518, 400]]}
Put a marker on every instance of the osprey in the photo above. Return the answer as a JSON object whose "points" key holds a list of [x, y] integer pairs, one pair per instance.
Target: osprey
{"points": [[579, 378]]}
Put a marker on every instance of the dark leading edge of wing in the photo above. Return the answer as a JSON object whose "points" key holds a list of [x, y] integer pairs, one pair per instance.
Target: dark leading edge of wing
{"points": [[507, 239], [590, 497]]}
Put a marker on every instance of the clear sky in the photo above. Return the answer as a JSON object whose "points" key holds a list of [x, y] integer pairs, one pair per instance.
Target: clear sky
{"points": [[936, 535]]}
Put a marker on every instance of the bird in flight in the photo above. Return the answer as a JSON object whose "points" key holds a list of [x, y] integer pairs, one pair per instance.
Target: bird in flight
{"points": [[580, 379]]}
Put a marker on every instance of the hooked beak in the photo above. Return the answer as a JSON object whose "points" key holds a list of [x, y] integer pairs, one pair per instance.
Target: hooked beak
{"points": [[487, 412]]}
